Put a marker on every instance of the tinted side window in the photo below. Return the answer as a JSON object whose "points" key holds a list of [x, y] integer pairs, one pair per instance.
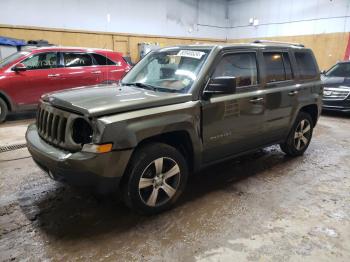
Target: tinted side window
{"points": [[41, 61], [102, 60], [274, 67], [240, 65], [77, 59], [306, 65]]}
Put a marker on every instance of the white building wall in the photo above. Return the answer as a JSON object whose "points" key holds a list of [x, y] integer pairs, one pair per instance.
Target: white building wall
{"points": [[287, 17], [186, 18]]}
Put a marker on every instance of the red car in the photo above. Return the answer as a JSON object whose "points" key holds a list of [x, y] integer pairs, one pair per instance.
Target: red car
{"points": [[26, 75]]}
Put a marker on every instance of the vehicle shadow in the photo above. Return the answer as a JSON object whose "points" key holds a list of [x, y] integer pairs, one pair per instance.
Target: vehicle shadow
{"points": [[336, 114], [12, 117], [68, 213]]}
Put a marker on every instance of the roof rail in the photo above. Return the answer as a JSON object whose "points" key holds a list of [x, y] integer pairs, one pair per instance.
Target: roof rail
{"points": [[276, 42]]}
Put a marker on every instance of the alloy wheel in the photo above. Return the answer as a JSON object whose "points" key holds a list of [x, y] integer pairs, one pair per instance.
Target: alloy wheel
{"points": [[302, 134], [159, 181]]}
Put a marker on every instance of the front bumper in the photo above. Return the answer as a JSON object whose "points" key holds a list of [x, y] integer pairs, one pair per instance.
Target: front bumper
{"points": [[102, 171], [337, 105]]}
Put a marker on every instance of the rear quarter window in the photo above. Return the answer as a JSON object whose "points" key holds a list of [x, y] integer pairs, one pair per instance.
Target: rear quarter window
{"points": [[102, 60], [306, 65]]}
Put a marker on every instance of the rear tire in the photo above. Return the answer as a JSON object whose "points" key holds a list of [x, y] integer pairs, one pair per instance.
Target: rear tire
{"points": [[3, 110], [299, 137], [156, 178]]}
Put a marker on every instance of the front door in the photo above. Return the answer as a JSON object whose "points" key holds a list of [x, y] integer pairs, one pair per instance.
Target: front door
{"points": [[232, 123], [39, 78]]}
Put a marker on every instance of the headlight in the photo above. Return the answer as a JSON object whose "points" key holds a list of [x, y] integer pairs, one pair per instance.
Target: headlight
{"points": [[81, 131], [345, 87]]}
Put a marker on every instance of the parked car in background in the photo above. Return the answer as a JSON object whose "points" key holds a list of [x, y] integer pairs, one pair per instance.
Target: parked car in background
{"points": [[26, 75], [336, 93]]}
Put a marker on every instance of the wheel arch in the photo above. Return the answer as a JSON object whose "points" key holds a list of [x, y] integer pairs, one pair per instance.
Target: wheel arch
{"points": [[7, 100], [313, 111], [179, 139]]}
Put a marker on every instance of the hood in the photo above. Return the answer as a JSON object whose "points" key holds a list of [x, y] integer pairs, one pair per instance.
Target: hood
{"points": [[110, 99], [331, 81]]}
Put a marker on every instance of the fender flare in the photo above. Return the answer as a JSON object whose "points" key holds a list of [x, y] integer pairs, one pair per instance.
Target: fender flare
{"points": [[194, 140], [8, 101]]}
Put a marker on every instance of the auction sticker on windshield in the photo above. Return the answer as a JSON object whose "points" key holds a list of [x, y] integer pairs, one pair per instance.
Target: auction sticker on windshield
{"points": [[191, 53]]}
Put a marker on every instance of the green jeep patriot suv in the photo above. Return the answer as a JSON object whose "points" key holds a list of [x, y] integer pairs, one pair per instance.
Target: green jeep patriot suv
{"points": [[178, 110]]}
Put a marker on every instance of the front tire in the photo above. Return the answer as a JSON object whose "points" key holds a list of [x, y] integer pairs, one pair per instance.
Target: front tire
{"points": [[156, 178], [299, 137], [3, 110]]}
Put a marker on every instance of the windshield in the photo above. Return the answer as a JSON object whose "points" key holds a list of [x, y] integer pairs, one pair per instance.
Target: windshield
{"points": [[172, 70], [8, 60], [339, 70]]}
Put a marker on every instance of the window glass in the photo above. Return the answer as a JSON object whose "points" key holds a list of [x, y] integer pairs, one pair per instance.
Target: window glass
{"points": [[11, 58], [274, 67], [41, 61], [306, 65], [287, 66], [240, 65], [77, 59], [102, 60], [340, 70], [168, 70]]}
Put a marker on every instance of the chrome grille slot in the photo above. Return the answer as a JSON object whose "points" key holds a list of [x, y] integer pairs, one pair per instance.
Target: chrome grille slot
{"points": [[39, 120], [61, 129], [45, 122], [49, 125], [53, 126], [330, 93]]}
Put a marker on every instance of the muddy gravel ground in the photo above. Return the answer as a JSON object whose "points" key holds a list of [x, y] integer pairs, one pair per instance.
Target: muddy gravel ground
{"points": [[260, 207]]}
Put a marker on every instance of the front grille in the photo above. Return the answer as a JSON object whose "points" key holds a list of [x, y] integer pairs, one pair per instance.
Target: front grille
{"points": [[333, 93], [53, 126]]}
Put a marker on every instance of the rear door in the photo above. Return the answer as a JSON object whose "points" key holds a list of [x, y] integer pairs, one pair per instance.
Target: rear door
{"points": [[232, 123], [78, 70], [281, 91], [40, 77]]}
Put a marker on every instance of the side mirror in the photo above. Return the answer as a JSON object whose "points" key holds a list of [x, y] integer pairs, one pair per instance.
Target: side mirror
{"points": [[19, 67], [323, 72], [221, 85]]}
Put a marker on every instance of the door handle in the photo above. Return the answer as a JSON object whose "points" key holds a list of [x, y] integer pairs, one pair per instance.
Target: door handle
{"points": [[53, 75], [256, 100], [96, 72], [293, 93]]}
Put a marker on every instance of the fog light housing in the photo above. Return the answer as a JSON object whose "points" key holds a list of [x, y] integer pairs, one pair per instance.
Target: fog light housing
{"points": [[92, 148]]}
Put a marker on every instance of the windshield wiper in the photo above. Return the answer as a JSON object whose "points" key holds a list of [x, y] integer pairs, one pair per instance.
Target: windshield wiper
{"points": [[142, 85], [150, 87]]}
